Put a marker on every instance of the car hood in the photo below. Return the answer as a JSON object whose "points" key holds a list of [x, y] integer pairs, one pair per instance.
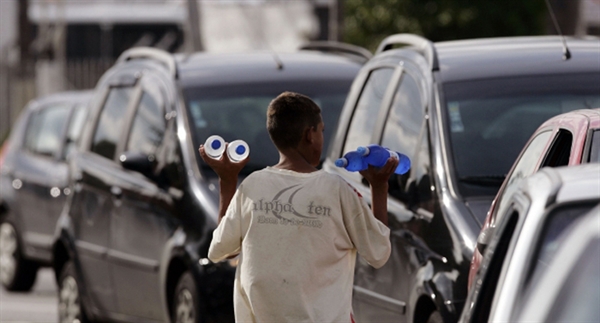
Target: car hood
{"points": [[479, 207]]}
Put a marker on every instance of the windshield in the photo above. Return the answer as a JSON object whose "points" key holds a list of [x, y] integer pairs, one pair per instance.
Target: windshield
{"points": [[239, 111], [490, 121]]}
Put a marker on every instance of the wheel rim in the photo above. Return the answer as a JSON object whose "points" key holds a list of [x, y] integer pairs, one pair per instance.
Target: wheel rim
{"points": [[185, 307], [8, 253], [68, 302]]}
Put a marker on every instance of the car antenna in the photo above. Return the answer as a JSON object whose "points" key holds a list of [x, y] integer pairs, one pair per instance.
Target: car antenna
{"points": [[566, 52]]}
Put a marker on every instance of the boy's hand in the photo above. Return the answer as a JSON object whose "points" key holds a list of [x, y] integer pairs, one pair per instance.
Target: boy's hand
{"points": [[379, 176], [225, 168]]}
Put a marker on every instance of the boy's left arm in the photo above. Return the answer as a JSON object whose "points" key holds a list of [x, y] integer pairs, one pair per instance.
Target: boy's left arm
{"points": [[228, 172]]}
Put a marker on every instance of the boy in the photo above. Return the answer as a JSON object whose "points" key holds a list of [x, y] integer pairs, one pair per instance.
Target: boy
{"points": [[297, 228]]}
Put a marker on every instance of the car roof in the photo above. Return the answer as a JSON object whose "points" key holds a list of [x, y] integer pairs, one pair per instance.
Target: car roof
{"points": [[75, 97], [515, 56], [212, 69], [559, 185], [591, 115]]}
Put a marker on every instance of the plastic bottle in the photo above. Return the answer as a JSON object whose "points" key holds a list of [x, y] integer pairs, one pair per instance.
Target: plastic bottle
{"points": [[214, 146], [352, 161], [377, 156], [238, 150]]}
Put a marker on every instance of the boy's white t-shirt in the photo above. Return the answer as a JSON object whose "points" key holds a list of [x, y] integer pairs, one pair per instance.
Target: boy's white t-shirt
{"points": [[298, 234]]}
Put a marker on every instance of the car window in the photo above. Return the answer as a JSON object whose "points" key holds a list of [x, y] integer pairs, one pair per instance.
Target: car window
{"points": [[493, 261], [560, 150], [526, 165], [579, 296], [367, 109], [556, 223], [46, 129], [148, 126], [490, 120], [110, 125], [595, 147], [239, 111], [405, 132], [75, 127]]}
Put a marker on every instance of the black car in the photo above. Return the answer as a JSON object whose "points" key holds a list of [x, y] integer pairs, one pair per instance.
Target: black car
{"points": [[133, 240], [461, 111], [34, 178]]}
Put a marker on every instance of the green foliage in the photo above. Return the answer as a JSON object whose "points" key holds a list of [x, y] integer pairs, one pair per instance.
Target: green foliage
{"points": [[367, 22]]}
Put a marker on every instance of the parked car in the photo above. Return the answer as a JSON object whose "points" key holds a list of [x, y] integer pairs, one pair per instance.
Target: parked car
{"points": [[134, 237], [34, 183], [571, 138], [567, 290], [461, 111], [527, 237]]}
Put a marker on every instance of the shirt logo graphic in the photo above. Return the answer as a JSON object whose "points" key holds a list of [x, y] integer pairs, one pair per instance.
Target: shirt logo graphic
{"points": [[287, 212]]}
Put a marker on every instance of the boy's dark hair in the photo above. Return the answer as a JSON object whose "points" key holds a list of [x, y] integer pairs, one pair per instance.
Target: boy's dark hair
{"points": [[288, 116]]}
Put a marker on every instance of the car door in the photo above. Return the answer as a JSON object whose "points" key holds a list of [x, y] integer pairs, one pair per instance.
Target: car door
{"points": [[142, 221], [402, 126], [43, 174], [95, 182]]}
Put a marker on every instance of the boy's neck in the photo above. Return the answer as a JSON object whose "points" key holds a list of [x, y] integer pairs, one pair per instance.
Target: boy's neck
{"points": [[293, 160]]}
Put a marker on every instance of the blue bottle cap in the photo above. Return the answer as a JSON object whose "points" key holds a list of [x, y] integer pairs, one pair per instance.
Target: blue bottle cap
{"points": [[362, 150], [240, 150], [215, 144], [341, 162]]}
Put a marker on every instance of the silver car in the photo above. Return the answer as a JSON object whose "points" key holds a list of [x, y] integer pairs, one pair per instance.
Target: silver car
{"points": [[527, 237]]}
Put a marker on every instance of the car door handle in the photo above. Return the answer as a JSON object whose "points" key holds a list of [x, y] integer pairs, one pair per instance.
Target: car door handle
{"points": [[116, 191]]}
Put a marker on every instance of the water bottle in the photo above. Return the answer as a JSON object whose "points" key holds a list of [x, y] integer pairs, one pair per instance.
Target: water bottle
{"points": [[214, 146], [238, 150], [377, 156], [352, 161]]}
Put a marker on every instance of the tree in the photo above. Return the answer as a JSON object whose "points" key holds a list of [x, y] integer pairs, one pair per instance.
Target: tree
{"points": [[367, 22]]}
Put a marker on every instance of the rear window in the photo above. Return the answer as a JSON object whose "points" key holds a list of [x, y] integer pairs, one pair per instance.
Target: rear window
{"points": [[239, 111], [489, 121]]}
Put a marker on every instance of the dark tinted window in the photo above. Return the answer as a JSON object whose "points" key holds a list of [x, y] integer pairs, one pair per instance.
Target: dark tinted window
{"points": [[239, 111], [595, 148], [110, 125], [560, 151], [148, 127], [367, 109], [46, 129], [489, 121], [491, 268]]}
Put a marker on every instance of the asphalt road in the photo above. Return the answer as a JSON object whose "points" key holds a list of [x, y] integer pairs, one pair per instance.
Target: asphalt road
{"points": [[38, 305]]}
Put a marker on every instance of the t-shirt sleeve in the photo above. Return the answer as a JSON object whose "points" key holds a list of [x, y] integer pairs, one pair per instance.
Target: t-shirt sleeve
{"points": [[370, 236], [227, 237]]}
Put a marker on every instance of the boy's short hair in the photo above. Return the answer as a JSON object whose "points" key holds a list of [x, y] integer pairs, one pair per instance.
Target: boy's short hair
{"points": [[288, 115]]}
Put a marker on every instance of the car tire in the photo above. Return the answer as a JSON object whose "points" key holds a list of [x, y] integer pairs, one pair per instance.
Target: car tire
{"points": [[70, 306], [435, 317], [185, 300], [16, 272]]}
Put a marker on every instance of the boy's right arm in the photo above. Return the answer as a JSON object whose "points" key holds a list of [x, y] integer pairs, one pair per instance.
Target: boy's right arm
{"points": [[228, 172], [378, 178]]}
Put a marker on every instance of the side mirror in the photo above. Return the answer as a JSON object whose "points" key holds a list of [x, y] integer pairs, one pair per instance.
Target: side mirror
{"points": [[138, 162], [484, 238]]}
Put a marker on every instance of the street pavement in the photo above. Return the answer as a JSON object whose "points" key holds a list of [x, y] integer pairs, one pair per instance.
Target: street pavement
{"points": [[38, 305]]}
